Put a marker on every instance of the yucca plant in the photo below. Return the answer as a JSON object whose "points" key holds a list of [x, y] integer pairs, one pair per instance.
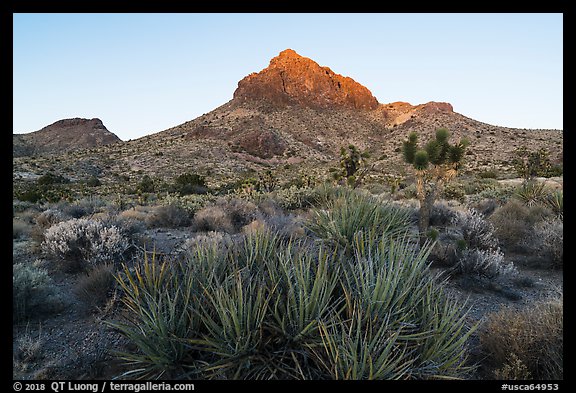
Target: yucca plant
{"points": [[233, 314], [389, 284], [555, 201], [267, 308], [354, 349], [305, 293], [353, 212], [159, 318], [531, 193]]}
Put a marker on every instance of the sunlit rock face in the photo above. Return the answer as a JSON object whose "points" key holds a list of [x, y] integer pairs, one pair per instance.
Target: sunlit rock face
{"points": [[291, 79]]}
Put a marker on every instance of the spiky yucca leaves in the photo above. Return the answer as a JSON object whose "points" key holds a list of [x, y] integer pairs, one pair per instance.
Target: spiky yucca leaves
{"points": [[531, 193], [268, 308], [357, 349], [159, 318], [353, 212], [389, 284], [233, 315], [555, 201], [305, 292]]}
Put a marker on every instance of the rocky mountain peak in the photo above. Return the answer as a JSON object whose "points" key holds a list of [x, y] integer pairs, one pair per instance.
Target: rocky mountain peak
{"points": [[291, 79]]}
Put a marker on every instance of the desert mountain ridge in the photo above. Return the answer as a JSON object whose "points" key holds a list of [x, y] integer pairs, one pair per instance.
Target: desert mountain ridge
{"points": [[294, 116], [64, 135]]}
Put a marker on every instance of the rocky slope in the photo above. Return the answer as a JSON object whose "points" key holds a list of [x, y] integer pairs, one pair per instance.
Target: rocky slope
{"points": [[63, 135], [293, 117]]}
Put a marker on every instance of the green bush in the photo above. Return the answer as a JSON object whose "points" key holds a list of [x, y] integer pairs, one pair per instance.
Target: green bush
{"points": [[268, 308], [51, 178], [190, 183]]}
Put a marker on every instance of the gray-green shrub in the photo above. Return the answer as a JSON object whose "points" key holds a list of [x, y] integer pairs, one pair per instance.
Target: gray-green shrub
{"points": [[33, 292], [80, 243]]}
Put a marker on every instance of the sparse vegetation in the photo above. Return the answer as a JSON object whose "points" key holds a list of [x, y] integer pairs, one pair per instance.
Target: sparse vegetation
{"points": [[264, 268]]}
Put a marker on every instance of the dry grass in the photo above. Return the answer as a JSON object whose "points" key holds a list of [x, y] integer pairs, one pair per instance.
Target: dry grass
{"points": [[94, 288], [514, 221], [169, 216], [526, 342]]}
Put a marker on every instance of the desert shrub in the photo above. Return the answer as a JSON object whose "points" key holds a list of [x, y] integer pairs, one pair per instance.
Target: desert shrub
{"points": [[454, 191], [476, 231], [226, 215], [548, 241], [82, 207], [33, 293], [50, 178], [93, 288], [491, 173], [146, 184], [500, 194], [485, 206], [514, 223], [213, 219], [287, 225], [355, 212], [511, 223], [270, 308], [28, 349], [241, 212], [296, 197], [19, 206], [189, 183], [93, 181], [441, 214], [483, 263], [20, 229], [531, 338], [45, 220], [78, 243], [407, 192], [222, 241], [190, 203], [475, 186], [49, 217], [168, 216]]}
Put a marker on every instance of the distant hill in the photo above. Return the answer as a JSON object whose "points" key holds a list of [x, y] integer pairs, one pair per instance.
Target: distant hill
{"points": [[62, 136]]}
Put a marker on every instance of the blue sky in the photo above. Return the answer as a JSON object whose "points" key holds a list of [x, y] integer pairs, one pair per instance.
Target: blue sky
{"points": [[144, 73]]}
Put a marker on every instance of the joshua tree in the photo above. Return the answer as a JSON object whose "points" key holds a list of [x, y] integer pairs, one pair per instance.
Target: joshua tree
{"points": [[353, 166], [434, 165]]}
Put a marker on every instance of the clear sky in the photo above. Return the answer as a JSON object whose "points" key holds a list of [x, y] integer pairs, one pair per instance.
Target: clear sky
{"points": [[142, 73]]}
